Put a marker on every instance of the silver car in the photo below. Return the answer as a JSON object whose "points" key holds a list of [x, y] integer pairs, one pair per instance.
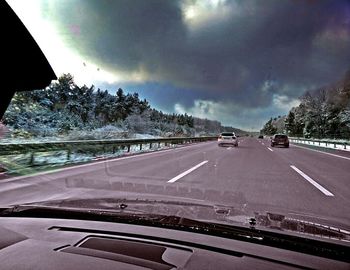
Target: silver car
{"points": [[227, 138]]}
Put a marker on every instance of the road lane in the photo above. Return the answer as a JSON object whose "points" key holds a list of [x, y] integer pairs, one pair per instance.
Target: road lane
{"points": [[259, 175], [266, 180], [331, 172], [250, 175], [101, 165]]}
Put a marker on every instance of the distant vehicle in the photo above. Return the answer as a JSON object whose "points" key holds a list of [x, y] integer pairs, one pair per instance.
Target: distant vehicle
{"points": [[280, 139], [227, 138], [261, 137]]}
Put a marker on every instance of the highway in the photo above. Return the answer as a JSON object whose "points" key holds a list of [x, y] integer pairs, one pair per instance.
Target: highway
{"points": [[299, 180]]}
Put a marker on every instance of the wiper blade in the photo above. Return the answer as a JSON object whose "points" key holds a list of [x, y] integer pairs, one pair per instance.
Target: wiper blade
{"points": [[73, 213], [284, 223], [281, 240]]}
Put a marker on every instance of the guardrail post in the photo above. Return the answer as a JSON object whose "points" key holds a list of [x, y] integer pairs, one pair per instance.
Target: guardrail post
{"points": [[158, 144], [326, 143], [113, 150], [150, 146], [140, 146], [335, 145], [68, 154], [345, 145], [32, 159], [128, 148]]}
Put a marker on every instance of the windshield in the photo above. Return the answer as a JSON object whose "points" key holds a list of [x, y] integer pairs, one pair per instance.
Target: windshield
{"points": [[283, 137], [227, 134], [146, 90]]}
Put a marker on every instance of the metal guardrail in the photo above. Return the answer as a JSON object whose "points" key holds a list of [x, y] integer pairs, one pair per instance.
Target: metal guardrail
{"points": [[335, 144], [93, 145]]}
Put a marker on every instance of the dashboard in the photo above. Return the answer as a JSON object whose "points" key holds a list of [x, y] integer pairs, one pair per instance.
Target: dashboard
{"points": [[42, 243]]}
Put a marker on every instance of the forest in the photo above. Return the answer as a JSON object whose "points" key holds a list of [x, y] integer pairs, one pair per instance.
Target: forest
{"points": [[322, 113], [65, 110]]}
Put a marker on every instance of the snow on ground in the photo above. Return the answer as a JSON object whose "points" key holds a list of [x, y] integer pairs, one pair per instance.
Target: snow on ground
{"points": [[73, 138], [144, 136]]}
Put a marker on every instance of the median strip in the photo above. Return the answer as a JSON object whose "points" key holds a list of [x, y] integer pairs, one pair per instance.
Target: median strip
{"points": [[187, 172], [312, 182]]}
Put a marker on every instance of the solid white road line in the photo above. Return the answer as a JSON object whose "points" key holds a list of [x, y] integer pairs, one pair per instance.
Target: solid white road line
{"points": [[334, 155], [187, 172], [312, 182], [270, 149]]}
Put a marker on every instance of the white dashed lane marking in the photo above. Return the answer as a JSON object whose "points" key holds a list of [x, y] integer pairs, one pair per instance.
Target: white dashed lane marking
{"points": [[187, 172], [312, 182]]}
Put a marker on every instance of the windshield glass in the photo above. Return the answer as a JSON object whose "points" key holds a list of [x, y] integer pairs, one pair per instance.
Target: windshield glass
{"points": [[227, 134], [146, 88], [281, 137]]}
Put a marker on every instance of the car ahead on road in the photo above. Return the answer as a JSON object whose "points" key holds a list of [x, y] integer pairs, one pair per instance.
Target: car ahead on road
{"points": [[280, 140], [228, 138], [261, 137]]}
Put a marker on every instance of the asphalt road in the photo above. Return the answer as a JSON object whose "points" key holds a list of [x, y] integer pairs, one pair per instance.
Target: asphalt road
{"points": [[295, 180]]}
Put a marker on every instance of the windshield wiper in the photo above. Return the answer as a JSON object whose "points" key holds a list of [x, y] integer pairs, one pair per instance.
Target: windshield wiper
{"points": [[281, 240]]}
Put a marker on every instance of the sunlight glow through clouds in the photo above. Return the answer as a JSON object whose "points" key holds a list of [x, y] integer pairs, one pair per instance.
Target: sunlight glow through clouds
{"points": [[198, 12]]}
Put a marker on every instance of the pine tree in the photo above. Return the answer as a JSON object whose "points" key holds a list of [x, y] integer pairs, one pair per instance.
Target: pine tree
{"points": [[290, 123]]}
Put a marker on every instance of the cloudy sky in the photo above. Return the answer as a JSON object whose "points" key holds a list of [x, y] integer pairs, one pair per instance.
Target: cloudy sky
{"points": [[239, 62]]}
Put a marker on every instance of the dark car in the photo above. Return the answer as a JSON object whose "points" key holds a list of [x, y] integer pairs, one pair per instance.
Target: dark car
{"points": [[280, 139], [261, 137]]}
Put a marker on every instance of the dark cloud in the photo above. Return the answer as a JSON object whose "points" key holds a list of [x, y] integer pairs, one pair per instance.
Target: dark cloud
{"points": [[246, 51]]}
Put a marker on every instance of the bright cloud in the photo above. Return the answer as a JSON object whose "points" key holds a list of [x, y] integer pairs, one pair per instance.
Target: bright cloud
{"points": [[284, 103], [228, 113]]}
